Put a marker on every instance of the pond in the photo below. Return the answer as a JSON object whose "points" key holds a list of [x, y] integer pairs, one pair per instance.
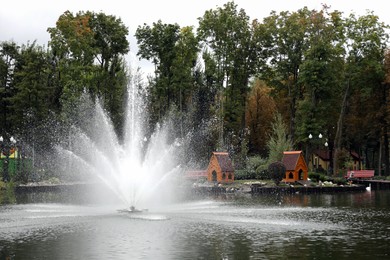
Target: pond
{"points": [[49, 225]]}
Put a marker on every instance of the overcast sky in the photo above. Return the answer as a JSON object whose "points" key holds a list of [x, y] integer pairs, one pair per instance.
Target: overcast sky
{"points": [[24, 21]]}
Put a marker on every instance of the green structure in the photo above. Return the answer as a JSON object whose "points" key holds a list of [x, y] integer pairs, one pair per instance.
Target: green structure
{"points": [[14, 167]]}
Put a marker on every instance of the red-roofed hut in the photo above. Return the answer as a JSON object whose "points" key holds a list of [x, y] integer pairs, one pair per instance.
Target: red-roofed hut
{"points": [[296, 168], [220, 168]]}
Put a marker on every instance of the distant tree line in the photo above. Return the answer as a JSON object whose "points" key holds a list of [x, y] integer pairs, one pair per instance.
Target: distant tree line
{"points": [[226, 81]]}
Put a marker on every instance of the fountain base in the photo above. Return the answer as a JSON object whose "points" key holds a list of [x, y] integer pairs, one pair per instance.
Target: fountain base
{"points": [[132, 209]]}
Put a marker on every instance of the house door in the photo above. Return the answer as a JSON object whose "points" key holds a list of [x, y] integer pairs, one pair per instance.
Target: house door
{"points": [[214, 176], [300, 174]]}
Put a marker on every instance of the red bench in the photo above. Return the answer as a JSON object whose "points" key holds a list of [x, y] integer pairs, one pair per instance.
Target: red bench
{"points": [[360, 174]]}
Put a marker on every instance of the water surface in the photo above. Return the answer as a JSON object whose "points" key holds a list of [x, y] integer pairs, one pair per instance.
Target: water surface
{"points": [[299, 226]]}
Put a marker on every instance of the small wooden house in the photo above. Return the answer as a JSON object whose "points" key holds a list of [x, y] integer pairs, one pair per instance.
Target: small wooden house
{"points": [[296, 168], [320, 161], [220, 168]]}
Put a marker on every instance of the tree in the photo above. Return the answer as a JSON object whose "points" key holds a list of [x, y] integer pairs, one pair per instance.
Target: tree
{"points": [[157, 44], [174, 51], [88, 51], [279, 140], [260, 112], [9, 53], [277, 171], [33, 95], [227, 42], [321, 77], [386, 112], [282, 41], [366, 45]]}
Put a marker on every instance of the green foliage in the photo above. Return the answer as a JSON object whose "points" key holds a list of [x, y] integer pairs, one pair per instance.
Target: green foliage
{"points": [[316, 177], [340, 181], [309, 59], [282, 42], [88, 51], [244, 175], [277, 171], [173, 50], [7, 193], [3, 185], [257, 166], [229, 60], [279, 140], [254, 162], [322, 74]]}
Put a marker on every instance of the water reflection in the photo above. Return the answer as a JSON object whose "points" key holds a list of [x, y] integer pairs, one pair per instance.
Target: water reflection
{"points": [[301, 226]]}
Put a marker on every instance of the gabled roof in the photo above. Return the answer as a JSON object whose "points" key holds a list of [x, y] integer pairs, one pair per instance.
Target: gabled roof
{"points": [[224, 161], [355, 156], [323, 154], [290, 159]]}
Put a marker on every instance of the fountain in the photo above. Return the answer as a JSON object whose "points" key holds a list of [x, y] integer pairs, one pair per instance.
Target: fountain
{"points": [[137, 167], [134, 168]]}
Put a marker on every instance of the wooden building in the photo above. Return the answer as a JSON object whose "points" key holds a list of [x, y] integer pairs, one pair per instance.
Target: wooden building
{"points": [[220, 168], [296, 168], [320, 161]]}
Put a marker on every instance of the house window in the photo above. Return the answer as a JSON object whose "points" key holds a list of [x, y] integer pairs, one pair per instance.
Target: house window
{"points": [[230, 176], [291, 175], [223, 176]]}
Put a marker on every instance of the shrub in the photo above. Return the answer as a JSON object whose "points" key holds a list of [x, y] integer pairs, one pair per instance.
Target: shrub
{"points": [[262, 174], [314, 176], [243, 175], [255, 165], [3, 185], [340, 181], [277, 171]]}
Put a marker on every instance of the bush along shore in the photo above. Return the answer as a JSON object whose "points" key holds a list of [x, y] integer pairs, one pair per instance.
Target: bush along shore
{"points": [[320, 185]]}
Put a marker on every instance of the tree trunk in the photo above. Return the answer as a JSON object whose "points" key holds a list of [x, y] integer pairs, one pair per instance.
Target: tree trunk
{"points": [[380, 156], [339, 130]]}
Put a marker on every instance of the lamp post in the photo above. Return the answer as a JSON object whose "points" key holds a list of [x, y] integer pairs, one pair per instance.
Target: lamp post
{"points": [[6, 147], [329, 156], [315, 165]]}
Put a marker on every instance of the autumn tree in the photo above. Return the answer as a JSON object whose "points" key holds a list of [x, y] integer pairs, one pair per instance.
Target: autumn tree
{"points": [[260, 112]]}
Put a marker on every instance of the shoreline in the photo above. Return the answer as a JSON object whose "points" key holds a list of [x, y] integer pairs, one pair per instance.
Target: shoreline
{"points": [[264, 189], [209, 188]]}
